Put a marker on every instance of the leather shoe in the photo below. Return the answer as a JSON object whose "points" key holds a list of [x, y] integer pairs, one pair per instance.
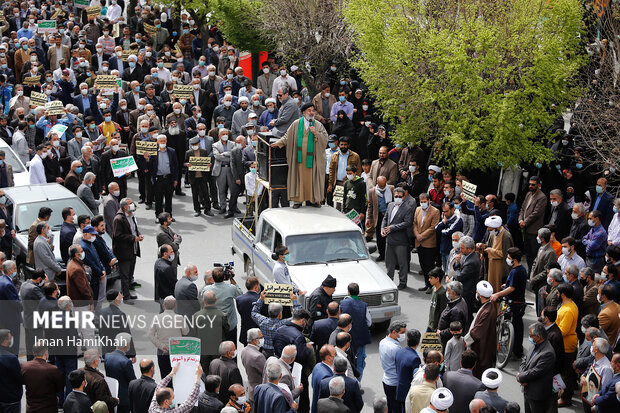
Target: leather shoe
{"points": [[423, 288], [148, 207], [379, 259], [429, 290], [296, 206], [564, 403], [128, 302], [230, 215], [316, 205], [216, 206], [180, 193], [208, 212], [130, 297], [197, 213], [136, 284], [222, 211], [237, 211], [402, 286], [141, 201]]}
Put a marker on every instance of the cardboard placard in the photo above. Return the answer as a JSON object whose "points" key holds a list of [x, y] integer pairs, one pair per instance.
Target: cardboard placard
{"points": [[126, 54], [81, 4], [93, 11], [184, 351], [354, 216], [58, 129], [469, 191], [57, 13], [55, 108], [200, 163], [149, 29], [107, 83], [430, 341], [47, 26], [278, 293], [122, 166], [37, 99], [339, 194], [149, 147], [32, 80], [182, 91]]}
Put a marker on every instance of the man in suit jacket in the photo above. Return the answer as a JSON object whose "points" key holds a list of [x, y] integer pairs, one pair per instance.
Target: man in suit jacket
{"points": [[58, 49], [425, 220], [126, 244], [227, 369], [165, 274], [352, 395], [462, 383], [118, 366], [407, 361], [44, 257], [77, 401], [531, 217], [536, 371], [141, 390], [245, 302], [43, 381], [87, 104], [114, 322], [85, 193], [166, 235], [111, 206], [321, 370], [222, 170], [378, 198], [335, 170], [383, 166], [73, 180], [544, 256], [268, 397], [199, 179], [98, 57], [606, 400], [559, 214], [164, 175], [608, 315], [467, 271], [31, 294], [322, 329], [107, 175], [334, 403], [397, 220], [253, 360], [285, 361], [603, 202], [288, 113], [238, 175], [186, 292]]}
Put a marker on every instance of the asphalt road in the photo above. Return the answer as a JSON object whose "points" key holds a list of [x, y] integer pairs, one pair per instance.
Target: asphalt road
{"points": [[207, 240]]}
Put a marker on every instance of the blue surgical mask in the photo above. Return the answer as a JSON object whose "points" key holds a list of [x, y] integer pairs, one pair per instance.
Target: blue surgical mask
{"points": [[332, 145], [254, 143], [588, 343], [78, 170], [578, 165], [173, 404], [538, 165], [220, 126], [615, 208], [457, 207], [430, 178], [13, 274], [1, 162], [132, 64], [287, 257], [341, 98], [2, 200], [185, 31], [108, 118], [599, 189], [564, 278], [342, 83], [532, 341]]}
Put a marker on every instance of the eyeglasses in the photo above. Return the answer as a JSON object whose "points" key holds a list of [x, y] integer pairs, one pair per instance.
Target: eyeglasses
{"points": [[397, 196], [279, 95]]}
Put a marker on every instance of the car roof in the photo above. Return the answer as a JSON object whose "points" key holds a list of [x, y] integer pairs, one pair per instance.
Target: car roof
{"points": [[37, 193], [308, 220]]}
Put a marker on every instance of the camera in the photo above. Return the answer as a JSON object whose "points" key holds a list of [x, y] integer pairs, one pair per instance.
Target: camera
{"points": [[229, 269]]}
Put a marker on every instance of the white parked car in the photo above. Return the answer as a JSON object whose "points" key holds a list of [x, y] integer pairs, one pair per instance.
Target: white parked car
{"points": [[321, 242], [21, 176]]}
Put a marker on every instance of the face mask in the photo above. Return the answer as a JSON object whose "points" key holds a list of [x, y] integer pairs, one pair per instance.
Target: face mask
{"points": [[82, 255], [398, 201], [282, 72], [350, 177], [430, 178], [598, 298], [599, 189], [49, 233], [446, 193], [160, 65], [224, 138], [424, 205], [177, 111], [401, 338], [84, 91], [287, 257], [150, 112], [20, 93], [548, 281], [578, 165], [538, 240], [227, 103], [241, 400], [229, 76], [271, 109], [565, 279], [115, 148], [108, 118], [43, 155], [532, 341], [171, 257], [554, 203], [78, 170], [341, 98], [448, 296], [455, 244], [173, 404], [574, 216], [162, 146], [591, 223], [565, 250]]}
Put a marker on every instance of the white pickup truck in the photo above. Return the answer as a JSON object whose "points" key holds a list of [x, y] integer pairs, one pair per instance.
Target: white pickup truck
{"points": [[321, 242]]}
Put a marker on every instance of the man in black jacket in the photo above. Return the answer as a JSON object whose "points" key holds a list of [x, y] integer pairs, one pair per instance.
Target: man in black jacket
{"points": [[245, 302], [165, 274], [112, 321], [456, 310], [77, 401], [320, 298], [11, 377], [126, 244], [141, 389], [559, 214]]}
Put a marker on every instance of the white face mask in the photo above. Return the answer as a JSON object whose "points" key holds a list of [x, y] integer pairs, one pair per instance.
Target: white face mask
{"points": [[115, 148], [574, 216], [116, 193], [227, 103], [261, 342], [350, 177], [211, 74], [554, 203], [424, 205], [398, 201], [565, 250], [266, 70], [162, 146], [224, 138], [202, 132], [401, 338], [509, 262], [411, 168], [195, 147]]}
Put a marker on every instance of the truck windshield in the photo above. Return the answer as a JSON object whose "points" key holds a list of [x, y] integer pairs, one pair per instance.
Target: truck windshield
{"points": [[322, 248]]}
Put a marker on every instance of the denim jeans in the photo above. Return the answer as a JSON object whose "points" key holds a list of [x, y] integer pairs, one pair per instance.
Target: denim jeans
{"points": [[360, 353]]}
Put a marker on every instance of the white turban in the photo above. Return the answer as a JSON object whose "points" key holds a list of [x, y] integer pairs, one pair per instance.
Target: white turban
{"points": [[434, 168], [294, 68], [492, 383], [244, 99], [270, 100], [484, 289], [442, 398], [493, 222]]}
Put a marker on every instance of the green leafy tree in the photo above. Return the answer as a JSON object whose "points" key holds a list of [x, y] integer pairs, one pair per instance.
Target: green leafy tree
{"points": [[239, 22], [480, 81]]}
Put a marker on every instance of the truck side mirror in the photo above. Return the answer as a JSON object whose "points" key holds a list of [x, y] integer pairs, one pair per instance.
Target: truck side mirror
{"points": [[274, 256]]}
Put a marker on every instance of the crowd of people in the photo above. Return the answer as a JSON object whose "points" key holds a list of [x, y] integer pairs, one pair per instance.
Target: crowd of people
{"points": [[560, 235]]}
